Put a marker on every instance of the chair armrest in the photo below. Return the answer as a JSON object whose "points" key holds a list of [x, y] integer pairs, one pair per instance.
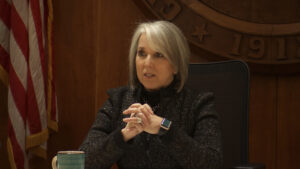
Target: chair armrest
{"points": [[250, 166]]}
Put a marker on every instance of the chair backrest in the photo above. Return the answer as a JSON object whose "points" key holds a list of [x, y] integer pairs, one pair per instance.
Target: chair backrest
{"points": [[229, 80]]}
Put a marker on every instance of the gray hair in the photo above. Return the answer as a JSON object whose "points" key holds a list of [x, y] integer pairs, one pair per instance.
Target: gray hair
{"points": [[167, 39]]}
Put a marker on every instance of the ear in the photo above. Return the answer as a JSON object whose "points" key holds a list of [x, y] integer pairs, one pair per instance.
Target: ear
{"points": [[175, 71]]}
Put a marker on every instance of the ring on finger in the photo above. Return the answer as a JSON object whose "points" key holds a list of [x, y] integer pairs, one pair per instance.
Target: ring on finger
{"points": [[136, 114], [140, 120]]}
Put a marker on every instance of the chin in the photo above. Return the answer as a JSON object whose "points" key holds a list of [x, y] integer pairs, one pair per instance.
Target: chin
{"points": [[151, 88]]}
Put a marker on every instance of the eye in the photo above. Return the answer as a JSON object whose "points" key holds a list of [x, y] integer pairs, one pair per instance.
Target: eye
{"points": [[158, 55], [141, 53]]}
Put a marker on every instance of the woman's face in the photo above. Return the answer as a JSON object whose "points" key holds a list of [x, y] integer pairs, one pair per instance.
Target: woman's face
{"points": [[154, 71]]}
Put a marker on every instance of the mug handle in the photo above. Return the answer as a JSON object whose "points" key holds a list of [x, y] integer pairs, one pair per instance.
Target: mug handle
{"points": [[54, 162]]}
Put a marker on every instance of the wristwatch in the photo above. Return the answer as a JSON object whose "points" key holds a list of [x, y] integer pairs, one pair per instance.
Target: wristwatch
{"points": [[164, 126]]}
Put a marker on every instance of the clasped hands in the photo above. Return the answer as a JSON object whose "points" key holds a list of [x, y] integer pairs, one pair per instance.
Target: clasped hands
{"points": [[142, 118]]}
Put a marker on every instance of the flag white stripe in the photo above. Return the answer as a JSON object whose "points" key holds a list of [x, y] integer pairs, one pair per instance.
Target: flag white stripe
{"points": [[21, 65], [17, 121], [18, 61], [18, 126], [22, 9], [4, 32], [36, 70]]}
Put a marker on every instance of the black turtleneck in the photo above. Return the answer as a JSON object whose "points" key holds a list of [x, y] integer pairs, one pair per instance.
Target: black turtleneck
{"points": [[152, 98], [193, 141]]}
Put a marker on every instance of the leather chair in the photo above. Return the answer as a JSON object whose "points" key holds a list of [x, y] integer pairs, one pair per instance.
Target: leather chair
{"points": [[229, 81]]}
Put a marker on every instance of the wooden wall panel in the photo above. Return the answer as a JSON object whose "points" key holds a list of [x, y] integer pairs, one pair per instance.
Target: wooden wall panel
{"points": [[262, 120], [288, 137], [3, 126], [74, 52], [91, 48], [115, 24]]}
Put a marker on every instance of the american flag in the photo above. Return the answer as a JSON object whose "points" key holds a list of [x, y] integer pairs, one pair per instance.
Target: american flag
{"points": [[26, 67]]}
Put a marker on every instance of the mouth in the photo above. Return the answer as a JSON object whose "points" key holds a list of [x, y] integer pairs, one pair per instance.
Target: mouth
{"points": [[149, 75]]}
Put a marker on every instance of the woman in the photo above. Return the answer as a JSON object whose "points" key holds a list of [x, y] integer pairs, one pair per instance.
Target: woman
{"points": [[156, 122]]}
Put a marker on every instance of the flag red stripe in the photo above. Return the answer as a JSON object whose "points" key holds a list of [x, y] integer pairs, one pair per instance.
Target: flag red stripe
{"points": [[28, 77], [45, 16], [20, 32], [4, 58], [34, 120], [36, 13], [5, 12], [18, 153], [18, 93]]}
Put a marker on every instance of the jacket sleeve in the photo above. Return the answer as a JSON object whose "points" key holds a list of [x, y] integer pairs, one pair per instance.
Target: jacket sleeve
{"points": [[104, 144], [202, 149]]}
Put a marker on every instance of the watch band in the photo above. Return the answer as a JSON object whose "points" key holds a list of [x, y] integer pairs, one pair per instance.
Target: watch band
{"points": [[164, 126]]}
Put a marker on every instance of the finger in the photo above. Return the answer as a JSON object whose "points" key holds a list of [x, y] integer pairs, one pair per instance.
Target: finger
{"points": [[149, 109], [132, 107], [139, 127], [148, 112], [135, 105], [131, 110], [129, 125], [144, 114], [136, 120], [135, 128], [145, 120]]}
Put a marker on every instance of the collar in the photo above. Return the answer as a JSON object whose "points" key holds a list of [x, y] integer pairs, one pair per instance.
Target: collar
{"points": [[167, 91]]}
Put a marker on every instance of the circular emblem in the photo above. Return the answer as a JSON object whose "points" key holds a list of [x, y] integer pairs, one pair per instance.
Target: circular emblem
{"points": [[268, 44]]}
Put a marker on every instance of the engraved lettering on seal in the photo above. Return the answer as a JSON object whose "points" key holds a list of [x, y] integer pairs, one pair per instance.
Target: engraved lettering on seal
{"points": [[236, 45], [257, 48]]}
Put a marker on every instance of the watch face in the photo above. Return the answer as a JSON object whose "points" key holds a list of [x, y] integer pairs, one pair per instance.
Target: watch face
{"points": [[256, 34], [166, 124]]}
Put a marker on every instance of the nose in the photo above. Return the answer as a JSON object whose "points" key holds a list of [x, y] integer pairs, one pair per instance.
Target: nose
{"points": [[148, 60]]}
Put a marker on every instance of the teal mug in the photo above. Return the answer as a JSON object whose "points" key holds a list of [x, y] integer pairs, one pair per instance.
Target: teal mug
{"points": [[69, 160]]}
